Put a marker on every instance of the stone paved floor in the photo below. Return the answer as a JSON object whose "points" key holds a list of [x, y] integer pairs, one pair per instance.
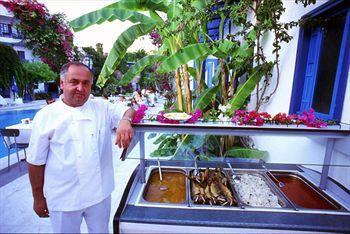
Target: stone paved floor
{"points": [[17, 215]]}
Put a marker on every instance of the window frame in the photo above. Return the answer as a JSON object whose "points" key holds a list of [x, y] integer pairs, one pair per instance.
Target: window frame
{"points": [[342, 66]]}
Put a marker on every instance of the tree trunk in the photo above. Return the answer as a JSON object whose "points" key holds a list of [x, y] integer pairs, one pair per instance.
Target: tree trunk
{"points": [[199, 79], [188, 94], [232, 88], [178, 89], [223, 82]]}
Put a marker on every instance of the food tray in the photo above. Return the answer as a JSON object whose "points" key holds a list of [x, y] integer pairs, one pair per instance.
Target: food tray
{"points": [[215, 202], [281, 200], [155, 172], [313, 198]]}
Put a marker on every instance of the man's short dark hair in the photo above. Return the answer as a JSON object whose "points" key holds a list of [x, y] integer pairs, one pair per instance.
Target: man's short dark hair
{"points": [[66, 66]]}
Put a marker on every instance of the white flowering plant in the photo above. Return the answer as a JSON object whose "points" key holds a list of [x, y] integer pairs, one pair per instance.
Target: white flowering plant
{"points": [[223, 112]]}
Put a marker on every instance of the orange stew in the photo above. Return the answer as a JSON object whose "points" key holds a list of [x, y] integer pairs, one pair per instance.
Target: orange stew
{"points": [[172, 189]]}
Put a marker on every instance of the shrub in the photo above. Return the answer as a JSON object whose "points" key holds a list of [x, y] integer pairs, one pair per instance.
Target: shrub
{"points": [[38, 72], [10, 66]]}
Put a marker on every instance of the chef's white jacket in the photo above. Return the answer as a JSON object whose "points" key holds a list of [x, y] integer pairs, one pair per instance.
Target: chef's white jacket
{"points": [[76, 147]]}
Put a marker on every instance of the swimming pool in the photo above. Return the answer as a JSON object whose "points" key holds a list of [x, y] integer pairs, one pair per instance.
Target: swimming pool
{"points": [[10, 118]]}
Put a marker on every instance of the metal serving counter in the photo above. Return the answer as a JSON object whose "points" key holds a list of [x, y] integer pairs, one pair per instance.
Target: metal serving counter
{"points": [[136, 214]]}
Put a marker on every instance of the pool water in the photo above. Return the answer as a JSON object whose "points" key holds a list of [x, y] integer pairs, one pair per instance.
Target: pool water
{"points": [[12, 117]]}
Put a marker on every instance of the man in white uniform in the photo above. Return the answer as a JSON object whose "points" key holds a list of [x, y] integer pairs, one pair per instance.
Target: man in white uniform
{"points": [[70, 154]]}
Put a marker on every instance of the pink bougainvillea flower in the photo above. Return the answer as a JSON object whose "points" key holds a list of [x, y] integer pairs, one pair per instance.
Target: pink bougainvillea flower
{"points": [[140, 113], [307, 118], [195, 116]]}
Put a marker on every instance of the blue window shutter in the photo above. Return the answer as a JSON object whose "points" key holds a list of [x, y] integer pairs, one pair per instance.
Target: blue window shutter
{"points": [[311, 69], [210, 65]]}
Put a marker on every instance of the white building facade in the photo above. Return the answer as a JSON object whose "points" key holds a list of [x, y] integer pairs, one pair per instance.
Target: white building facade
{"points": [[314, 73], [11, 37]]}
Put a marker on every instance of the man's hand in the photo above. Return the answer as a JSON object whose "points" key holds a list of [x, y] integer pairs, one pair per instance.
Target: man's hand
{"points": [[40, 207], [124, 134]]}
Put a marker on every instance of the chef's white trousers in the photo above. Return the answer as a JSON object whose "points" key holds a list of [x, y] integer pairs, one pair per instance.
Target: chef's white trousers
{"points": [[96, 218]]}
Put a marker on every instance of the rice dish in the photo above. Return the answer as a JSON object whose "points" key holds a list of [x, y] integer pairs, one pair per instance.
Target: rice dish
{"points": [[254, 191]]}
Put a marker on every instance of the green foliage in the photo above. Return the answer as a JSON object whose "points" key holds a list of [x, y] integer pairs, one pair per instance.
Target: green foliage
{"points": [[34, 73], [38, 72], [179, 37], [119, 49], [98, 59], [187, 146], [108, 13], [138, 67], [183, 56], [239, 152], [206, 98], [167, 145], [130, 57], [10, 66], [248, 87]]}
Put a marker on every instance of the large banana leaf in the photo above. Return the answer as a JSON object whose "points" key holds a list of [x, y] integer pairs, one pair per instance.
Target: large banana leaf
{"points": [[205, 98], [174, 10], [201, 4], [248, 87], [119, 49], [183, 56], [213, 144], [167, 145], [159, 21], [192, 71], [138, 67], [143, 5], [239, 152], [225, 49], [107, 13], [185, 150]]}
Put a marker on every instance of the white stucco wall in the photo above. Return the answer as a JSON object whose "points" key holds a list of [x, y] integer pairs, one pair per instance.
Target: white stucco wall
{"points": [[299, 149], [6, 17]]}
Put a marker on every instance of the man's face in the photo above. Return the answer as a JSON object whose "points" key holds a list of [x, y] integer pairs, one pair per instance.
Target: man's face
{"points": [[76, 86]]}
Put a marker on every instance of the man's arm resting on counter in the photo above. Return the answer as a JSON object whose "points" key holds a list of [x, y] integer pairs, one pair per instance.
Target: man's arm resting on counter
{"points": [[36, 177], [125, 132]]}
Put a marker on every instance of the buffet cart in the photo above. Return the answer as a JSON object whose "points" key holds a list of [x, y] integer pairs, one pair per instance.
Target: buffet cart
{"points": [[300, 199]]}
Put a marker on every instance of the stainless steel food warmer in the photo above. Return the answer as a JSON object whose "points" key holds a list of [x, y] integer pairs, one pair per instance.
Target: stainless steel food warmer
{"points": [[136, 214]]}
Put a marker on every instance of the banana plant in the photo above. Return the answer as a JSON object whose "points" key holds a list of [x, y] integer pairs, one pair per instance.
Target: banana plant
{"points": [[124, 10], [185, 40], [132, 10]]}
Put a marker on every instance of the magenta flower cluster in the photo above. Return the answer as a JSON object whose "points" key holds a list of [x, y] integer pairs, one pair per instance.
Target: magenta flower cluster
{"points": [[307, 118], [250, 118], [47, 35], [195, 116], [156, 38], [140, 113]]}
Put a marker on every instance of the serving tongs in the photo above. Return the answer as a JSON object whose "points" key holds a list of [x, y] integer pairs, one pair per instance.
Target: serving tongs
{"points": [[235, 178], [280, 183], [196, 171], [123, 155], [160, 171]]}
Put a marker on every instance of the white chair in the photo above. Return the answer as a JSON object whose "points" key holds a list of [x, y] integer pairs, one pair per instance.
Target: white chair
{"points": [[18, 146]]}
